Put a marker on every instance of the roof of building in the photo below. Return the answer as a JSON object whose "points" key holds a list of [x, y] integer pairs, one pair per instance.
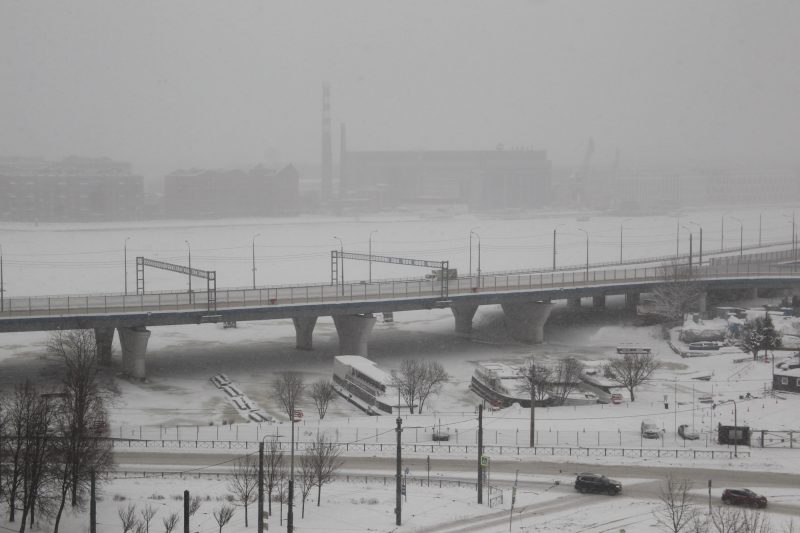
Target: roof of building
{"points": [[366, 367]]}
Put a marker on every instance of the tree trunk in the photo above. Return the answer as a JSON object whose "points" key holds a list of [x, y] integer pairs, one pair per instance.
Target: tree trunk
{"points": [[532, 439], [245, 514], [60, 510], [633, 399], [319, 493]]}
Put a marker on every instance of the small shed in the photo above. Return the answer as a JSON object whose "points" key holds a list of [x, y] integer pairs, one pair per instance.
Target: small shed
{"points": [[733, 435], [786, 380]]}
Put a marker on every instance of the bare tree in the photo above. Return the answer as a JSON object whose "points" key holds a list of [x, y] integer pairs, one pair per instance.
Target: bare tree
{"points": [[82, 417], [326, 460], [535, 381], [244, 483], [282, 492], [289, 388], [194, 505], [417, 380], [678, 295], [307, 479], [322, 392], [170, 522], [127, 515], [274, 467], [223, 515], [564, 378], [676, 514], [734, 520], [147, 516], [632, 370]]}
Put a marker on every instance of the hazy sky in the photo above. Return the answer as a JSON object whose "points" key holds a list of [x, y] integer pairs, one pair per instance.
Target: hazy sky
{"points": [[168, 84]]}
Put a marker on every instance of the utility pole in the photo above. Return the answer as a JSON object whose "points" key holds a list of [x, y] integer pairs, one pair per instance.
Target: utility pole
{"points": [[290, 510], [370, 253], [398, 479], [190, 270], [186, 511], [125, 260], [513, 500], [92, 505], [254, 259], [2, 287], [261, 487], [480, 452]]}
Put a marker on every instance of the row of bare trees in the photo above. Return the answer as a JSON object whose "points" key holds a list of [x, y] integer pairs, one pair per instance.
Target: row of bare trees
{"points": [[51, 438], [680, 513]]}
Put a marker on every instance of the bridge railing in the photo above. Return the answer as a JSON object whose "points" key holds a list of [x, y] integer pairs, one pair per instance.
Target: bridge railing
{"points": [[771, 264]]}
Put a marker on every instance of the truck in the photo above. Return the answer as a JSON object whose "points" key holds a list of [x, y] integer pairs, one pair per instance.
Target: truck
{"points": [[436, 274]]}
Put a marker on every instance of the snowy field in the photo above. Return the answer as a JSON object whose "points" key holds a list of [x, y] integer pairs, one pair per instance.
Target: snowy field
{"points": [[178, 402]]}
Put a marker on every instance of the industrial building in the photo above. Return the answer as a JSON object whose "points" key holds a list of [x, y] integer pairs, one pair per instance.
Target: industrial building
{"points": [[231, 193], [75, 189]]}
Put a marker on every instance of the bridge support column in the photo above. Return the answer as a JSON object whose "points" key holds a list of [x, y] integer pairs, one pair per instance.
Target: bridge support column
{"points": [[304, 331], [463, 315], [354, 333], [574, 302], [702, 302], [599, 301], [525, 321], [133, 342], [103, 338], [631, 300]]}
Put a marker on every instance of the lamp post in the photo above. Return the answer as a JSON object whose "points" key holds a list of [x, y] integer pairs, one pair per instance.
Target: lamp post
{"points": [[690, 249], [700, 258], [125, 261], [254, 258], [477, 235], [471, 232], [290, 511], [190, 270], [620, 239], [370, 253], [722, 234], [794, 242], [741, 236], [341, 259], [587, 252], [759, 230], [554, 245]]}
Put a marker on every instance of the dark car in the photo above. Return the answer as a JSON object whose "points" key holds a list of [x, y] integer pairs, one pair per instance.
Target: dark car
{"points": [[585, 482], [743, 497]]}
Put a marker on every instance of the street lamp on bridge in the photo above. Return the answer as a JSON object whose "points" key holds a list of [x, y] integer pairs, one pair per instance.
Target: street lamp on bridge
{"points": [[254, 258], [700, 259], [741, 236], [341, 258], [125, 261], [620, 239], [690, 249], [554, 244], [477, 235], [587, 253], [189, 246]]}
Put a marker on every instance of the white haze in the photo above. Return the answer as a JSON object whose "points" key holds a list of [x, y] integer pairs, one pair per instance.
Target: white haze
{"points": [[209, 84]]}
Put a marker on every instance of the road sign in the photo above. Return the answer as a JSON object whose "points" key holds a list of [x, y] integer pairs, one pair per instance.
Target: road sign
{"points": [[484, 460], [298, 415]]}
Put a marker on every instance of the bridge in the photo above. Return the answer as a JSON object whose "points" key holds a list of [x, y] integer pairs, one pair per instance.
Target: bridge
{"points": [[526, 298]]}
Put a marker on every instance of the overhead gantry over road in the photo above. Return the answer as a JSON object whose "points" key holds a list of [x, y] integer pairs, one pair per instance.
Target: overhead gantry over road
{"points": [[525, 296]]}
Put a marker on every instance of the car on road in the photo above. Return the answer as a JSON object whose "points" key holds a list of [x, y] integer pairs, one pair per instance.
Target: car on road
{"points": [[650, 430], [688, 433], [586, 482], [743, 497]]}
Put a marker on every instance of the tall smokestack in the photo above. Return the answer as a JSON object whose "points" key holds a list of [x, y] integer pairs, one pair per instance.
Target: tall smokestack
{"points": [[343, 185], [327, 159]]}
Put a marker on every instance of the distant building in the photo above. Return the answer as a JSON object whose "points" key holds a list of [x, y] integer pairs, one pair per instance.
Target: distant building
{"points": [[73, 189], [786, 380], [231, 193], [481, 179]]}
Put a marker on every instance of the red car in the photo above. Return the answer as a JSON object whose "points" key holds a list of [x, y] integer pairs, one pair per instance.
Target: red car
{"points": [[743, 497]]}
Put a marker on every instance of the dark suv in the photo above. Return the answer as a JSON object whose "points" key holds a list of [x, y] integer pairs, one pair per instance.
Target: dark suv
{"points": [[597, 483], [743, 497]]}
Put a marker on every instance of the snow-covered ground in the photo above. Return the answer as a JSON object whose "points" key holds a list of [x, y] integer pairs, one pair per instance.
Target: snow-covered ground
{"points": [[179, 401]]}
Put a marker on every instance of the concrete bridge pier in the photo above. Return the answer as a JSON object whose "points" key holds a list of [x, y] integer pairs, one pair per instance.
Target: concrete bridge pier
{"points": [[599, 301], [133, 342], [525, 321], [463, 314], [631, 300], [304, 330], [103, 338], [354, 333], [574, 302]]}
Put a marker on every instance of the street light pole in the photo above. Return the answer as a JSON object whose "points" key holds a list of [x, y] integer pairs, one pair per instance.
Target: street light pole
{"points": [[2, 287], [370, 253], [254, 258], [741, 236], [735, 427], [190, 270], [690, 249], [587, 253], [471, 233], [700, 259], [125, 260], [289, 511], [554, 245]]}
